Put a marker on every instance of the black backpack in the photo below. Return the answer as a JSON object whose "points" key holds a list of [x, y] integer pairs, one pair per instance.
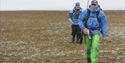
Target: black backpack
{"points": [[88, 15]]}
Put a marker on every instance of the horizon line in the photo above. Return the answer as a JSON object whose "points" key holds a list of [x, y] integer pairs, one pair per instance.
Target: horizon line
{"points": [[55, 10]]}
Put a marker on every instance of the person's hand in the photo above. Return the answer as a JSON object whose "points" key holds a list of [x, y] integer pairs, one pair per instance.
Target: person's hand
{"points": [[71, 21], [86, 31]]}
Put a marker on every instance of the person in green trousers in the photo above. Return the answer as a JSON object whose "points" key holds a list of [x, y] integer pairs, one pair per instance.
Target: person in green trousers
{"points": [[93, 22]]}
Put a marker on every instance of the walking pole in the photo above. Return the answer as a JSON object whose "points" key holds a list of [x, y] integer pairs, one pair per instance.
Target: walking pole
{"points": [[88, 4], [88, 31]]}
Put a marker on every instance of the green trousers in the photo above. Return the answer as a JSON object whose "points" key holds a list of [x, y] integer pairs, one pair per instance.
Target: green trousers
{"points": [[92, 48]]}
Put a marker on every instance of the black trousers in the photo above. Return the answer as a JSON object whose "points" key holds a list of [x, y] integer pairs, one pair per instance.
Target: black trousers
{"points": [[76, 32]]}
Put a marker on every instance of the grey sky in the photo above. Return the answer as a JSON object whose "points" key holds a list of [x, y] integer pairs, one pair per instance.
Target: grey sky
{"points": [[57, 4]]}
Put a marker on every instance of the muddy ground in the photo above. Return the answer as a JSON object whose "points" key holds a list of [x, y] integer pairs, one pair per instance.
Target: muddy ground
{"points": [[44, 37]]}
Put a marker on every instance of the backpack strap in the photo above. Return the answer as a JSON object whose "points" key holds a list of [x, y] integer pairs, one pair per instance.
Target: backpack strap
{"points": [[73, 10], [87, 17], [98, 18], [76, 13]]}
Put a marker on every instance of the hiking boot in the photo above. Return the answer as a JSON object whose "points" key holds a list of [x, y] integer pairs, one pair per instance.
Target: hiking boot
{"points": [[89, 60]]}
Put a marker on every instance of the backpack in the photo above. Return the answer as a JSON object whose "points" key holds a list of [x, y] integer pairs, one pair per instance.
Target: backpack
{"points": [[88, 15]]}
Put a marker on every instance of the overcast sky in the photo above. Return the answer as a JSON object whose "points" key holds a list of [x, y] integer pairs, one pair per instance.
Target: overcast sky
{"points": [[57, 4]]}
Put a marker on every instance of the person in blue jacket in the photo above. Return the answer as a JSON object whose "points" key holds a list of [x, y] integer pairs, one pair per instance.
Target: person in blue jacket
{"points": [[93, 23], [73, 19]]}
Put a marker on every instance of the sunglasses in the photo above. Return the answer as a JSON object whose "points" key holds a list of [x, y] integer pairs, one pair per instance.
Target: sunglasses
{"points": [[94, 4]]}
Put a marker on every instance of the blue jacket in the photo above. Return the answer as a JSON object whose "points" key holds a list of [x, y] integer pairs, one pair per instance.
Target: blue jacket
{"points": [[93, 22], [74, 15]]}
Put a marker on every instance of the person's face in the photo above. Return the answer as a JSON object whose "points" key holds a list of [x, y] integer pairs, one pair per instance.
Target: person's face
{"points": [[94, 6], [77, 7]]}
